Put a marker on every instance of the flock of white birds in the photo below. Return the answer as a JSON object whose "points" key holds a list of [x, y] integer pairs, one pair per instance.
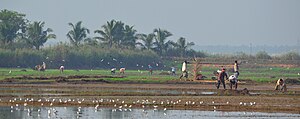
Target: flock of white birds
{"points": [[27, 104]]}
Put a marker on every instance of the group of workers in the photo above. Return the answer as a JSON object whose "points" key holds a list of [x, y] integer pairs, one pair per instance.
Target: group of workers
{"points": [[40, 67], [43, 67], [233, 79], [113, 70], [221, 75]]}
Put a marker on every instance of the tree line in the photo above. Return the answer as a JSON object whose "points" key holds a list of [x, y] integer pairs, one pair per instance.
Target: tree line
{"points": [[18, 32], [22, 44]]}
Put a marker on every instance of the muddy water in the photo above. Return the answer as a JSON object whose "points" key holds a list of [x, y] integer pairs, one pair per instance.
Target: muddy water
{"points": [[110, 113], [54, 91], [191, 99]]}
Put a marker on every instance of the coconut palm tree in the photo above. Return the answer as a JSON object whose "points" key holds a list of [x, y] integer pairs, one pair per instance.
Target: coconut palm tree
{"points": [[118, 33], [77, 33], [115, 33], [147, 40], [160, 40], [182, 45], [91, 41], [107, 33], [130, 38], [36, 36]]}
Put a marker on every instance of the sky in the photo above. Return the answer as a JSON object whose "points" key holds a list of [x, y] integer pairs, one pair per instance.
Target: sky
{"points": [[204, 22]]}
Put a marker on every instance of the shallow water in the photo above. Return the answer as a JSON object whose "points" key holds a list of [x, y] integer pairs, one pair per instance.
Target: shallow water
{"points": [[109, 113], [52, 91]]}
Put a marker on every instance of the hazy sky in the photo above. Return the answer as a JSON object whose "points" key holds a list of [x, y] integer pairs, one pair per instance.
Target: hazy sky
{"points": [[205, 22]]}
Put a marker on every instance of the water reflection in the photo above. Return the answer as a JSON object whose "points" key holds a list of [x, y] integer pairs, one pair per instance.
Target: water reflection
{"points": [[109, 113]]}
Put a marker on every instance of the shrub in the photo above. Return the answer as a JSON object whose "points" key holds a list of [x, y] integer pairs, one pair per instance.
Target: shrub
{"points": [[79, 57]]}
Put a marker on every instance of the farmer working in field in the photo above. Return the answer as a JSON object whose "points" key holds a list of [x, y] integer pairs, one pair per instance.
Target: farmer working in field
{"points": [[150, 69], [184, 70], [122, 70], [113, 70], [236, 69], [61, 69], [173, 70], [44, 66], [280, 85], [40, 67], [233, 81], [221, 78]]}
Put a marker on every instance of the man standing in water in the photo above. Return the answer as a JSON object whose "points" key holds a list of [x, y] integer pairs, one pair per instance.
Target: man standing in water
{"points": [[184, 71], [221, 78]]}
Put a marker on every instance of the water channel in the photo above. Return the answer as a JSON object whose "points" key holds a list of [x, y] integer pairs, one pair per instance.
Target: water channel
{"points": [[21, 112]]}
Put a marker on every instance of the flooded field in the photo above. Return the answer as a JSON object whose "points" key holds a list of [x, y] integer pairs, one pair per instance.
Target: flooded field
{"points": [[130, 100], [22, 112]]}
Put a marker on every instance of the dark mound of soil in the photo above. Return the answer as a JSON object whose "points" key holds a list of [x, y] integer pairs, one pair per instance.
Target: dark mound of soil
{"points": [[62, 77], [292, 81], [61, 80], [9, 80], [229, 92], [164, 73], [248, 81]]}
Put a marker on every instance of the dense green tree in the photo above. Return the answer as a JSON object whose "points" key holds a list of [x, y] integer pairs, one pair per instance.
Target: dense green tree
{"points": [[160, 40], [242, 55], [263, 55], [37, 36], [77, 34], [11, 25], [182, 45], [290, 56], [91, 41], [147, 40]]}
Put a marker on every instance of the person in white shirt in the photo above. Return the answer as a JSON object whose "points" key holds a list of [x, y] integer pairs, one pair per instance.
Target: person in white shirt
{"points": [[236, 69], [184, 70], [113, 70], [233, 81], [44, 66], [61, 69], [173, 70], [280, 85]]}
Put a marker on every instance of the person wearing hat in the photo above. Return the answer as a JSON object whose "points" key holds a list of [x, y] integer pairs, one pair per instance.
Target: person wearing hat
{"points": [[221, 78]]}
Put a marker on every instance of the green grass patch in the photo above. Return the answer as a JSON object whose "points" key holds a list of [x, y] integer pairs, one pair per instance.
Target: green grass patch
{"points": [[255, 74]]}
